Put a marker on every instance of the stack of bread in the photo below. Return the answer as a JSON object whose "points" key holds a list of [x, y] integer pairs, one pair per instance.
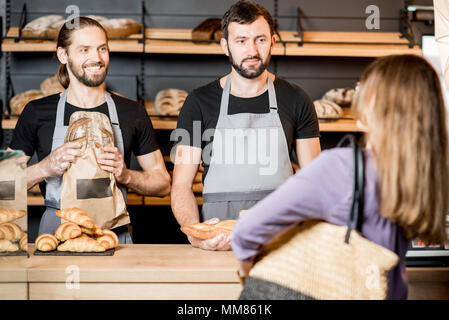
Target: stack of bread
{"points": [[12, 237], [79, 234]]}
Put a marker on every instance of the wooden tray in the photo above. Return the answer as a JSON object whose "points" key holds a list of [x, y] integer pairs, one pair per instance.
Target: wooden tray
{"points": [[109, 252]]}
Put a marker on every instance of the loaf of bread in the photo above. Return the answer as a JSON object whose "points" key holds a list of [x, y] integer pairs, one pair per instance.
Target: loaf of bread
{"points": [[96, 231], [341, 96], [326, 109], [121, 27], [76, 216], [39, 27], [207, 231], [205, 30], [51, 85], [8, 246], [7, 215], [24, 242], [10, 231], [93, 129], [19, 101], [108, 240], [218, 34], [81, 244], [46, 242], [197, 187], [67, 230], [170, 101]]}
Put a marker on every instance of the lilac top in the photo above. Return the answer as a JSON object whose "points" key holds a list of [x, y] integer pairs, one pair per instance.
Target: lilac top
{"points": [[323, 190]]}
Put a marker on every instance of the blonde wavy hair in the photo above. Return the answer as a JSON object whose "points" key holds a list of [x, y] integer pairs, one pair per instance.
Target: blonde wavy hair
{"points": [[400, 101]]}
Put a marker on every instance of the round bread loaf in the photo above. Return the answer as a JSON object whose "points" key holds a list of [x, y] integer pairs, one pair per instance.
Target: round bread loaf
{"points": [[326, 109], [121, 28], [39, 27], [341, 96], [51, 85], [169, 102], [18, 102]]}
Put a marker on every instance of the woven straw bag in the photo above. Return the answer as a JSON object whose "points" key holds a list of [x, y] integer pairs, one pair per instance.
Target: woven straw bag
{"points": [[325, 261]]}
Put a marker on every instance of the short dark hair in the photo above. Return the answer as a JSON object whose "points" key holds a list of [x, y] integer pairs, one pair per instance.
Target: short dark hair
{"points": [[245, 12]]}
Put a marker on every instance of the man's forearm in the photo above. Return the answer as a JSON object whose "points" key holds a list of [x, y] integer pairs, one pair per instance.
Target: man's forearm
{"points": [[36, 173], [184, 205], [149, 183]]}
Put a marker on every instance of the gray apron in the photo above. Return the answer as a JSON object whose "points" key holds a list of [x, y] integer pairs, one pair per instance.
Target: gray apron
{"points": [[50, 221], [250, 159]]}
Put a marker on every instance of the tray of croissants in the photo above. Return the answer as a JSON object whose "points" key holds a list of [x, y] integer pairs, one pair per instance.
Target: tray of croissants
{"points": [[13, 240], [78, 236]]}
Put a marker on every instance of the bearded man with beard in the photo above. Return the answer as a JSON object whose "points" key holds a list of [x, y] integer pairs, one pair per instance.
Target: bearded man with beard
{"points": [[82, 49], [250, 122]]}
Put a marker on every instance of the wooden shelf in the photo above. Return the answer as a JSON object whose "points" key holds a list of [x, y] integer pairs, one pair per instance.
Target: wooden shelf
{"points": [[316, 43], [133, 200]]}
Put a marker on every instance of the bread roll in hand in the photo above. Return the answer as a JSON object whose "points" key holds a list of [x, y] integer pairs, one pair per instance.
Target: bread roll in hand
{"points": [[205, 231]]}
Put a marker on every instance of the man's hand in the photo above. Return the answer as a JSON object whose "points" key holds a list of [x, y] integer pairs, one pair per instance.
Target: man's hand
{"points": [[60, 159], [111, 160], [221, 242]]}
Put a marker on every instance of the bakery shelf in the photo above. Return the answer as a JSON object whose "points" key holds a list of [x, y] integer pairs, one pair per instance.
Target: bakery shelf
{"points": [[179, 41], [133, 200], [9, 44]]}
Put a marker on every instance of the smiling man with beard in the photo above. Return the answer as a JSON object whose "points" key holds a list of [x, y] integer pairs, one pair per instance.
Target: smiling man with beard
{"points": [[84, 55], [250, 122]]}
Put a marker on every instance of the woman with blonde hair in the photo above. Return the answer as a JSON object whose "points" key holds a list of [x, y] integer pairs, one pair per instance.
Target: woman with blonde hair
{"points": [[399, 105]]}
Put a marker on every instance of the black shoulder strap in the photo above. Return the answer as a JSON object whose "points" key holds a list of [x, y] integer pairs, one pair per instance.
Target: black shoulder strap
{"points": [[358, 186]]}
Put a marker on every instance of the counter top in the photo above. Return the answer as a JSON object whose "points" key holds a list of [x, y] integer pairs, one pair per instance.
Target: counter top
{"points": [[140, 263]]}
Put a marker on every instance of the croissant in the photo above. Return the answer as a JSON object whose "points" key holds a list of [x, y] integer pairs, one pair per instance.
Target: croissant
{"points": [[77, 216], [8, 246], [24, 243], [96, 231], [81, 244], [46, 242], [67, 230], [10, 231], [7, 215], [207, 231], [109, 240]]}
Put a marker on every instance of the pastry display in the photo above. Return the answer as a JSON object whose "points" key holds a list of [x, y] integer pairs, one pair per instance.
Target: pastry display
{"points": [[8, 246], [207, 231], [78, 235], [7, 215], [108, 240], [326, 109], [67, 230], [83, 243], [341, 96], [46, 242], [11, 231], [76, 216]]}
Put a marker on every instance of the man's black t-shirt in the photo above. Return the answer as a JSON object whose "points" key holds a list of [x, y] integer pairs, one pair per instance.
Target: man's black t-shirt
{"points": [[35, 127], [295, 108]]}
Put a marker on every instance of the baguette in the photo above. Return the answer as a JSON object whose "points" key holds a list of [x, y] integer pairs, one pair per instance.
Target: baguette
{"points": [[10, 231], [8, 246], [7, 215], [81, 244], [46, 242], [67, 230], [109, 240], [76, 216], [205, 231]]}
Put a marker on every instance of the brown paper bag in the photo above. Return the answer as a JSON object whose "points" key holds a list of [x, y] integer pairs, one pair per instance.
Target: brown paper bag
{"points": [[13, 184], [85, 185]]}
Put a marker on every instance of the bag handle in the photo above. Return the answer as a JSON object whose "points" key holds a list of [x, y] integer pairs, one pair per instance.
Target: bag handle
{"points": [[358, 186]]}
